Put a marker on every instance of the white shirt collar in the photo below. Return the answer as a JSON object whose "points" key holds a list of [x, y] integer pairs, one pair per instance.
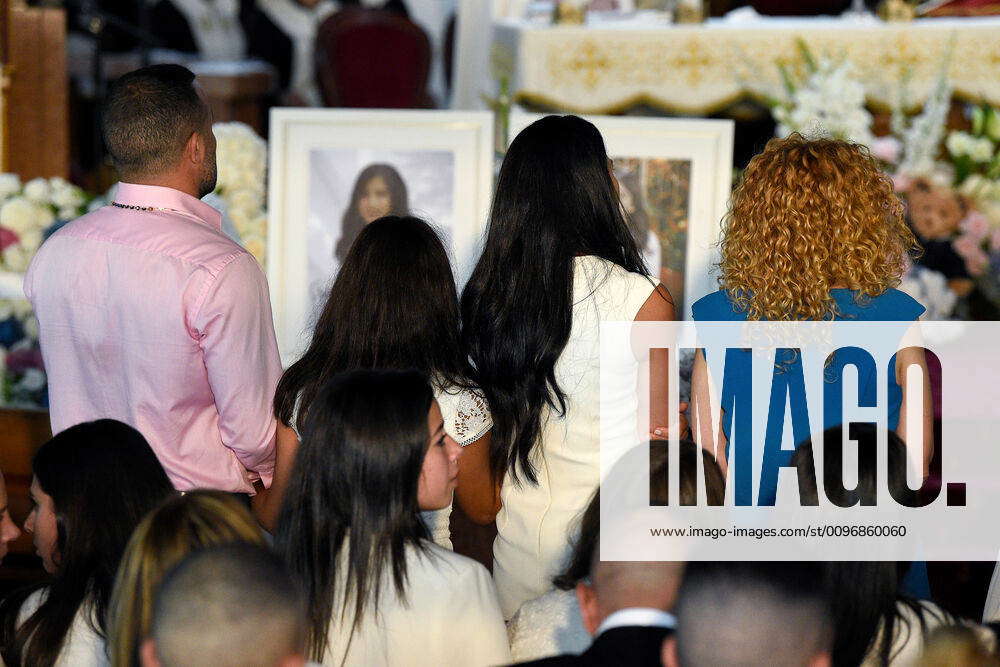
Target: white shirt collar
{"points": [[645, 617]]}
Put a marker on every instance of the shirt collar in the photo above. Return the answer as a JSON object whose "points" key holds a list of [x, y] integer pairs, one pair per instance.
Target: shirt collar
{"points": [[157, 196], [645, 617]]}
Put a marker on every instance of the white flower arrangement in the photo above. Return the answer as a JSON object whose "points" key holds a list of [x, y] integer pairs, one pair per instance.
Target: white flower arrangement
{"points": [[28, 212], [828, 103], [241, 156], [931, 289]]}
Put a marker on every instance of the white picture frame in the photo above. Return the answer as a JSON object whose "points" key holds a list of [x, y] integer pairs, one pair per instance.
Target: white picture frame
{"points": [[296, 135], [708, 145]]}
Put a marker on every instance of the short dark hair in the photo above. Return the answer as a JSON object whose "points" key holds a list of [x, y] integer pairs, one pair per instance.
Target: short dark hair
{"points": [[226, 630], [752, 613], [148, 116]]}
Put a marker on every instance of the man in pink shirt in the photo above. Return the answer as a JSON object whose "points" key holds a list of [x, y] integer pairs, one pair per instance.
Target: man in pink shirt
{"points": [[150, 315]]}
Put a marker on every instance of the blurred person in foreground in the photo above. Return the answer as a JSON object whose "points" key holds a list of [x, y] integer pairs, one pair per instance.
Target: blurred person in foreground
{"points": [[203, 616], [744, 614]]}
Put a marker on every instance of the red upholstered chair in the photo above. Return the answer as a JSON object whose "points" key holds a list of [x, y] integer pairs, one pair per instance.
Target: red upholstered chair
{"points": [[372, 58]]}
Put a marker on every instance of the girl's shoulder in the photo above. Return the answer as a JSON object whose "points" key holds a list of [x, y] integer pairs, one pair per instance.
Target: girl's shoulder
{"points": [[891, 305]]}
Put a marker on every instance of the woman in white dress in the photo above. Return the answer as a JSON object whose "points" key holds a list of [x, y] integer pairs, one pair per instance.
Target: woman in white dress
{"points": [[393, 305], [374, 453], [558, 260], [92, 485]]}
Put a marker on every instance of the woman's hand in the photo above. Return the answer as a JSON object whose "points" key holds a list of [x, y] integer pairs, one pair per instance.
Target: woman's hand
{"points": [[266, 504]]}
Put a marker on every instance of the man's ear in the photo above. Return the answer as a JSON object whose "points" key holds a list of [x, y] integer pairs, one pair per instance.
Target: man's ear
{"points": [[586, 597], [668, 654], [147, 654], [821, 660], [195, 149]]}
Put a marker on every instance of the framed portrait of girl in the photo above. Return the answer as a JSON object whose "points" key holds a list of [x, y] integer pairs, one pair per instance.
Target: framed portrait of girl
{"points": [[333, 171]]}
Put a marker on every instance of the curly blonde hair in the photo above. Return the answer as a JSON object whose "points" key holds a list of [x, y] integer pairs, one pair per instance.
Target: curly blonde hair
{"points": [[810, 215]]}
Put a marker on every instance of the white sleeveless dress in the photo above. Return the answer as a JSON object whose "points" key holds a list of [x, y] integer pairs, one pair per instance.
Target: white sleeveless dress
{"points": [[466, 419], [534, 523]]}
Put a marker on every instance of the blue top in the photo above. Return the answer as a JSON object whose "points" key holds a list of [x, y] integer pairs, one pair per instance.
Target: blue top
{"points": [[891, 306]]}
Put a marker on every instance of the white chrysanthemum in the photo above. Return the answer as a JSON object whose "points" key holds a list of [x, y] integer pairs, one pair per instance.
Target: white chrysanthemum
{"points": [[16, 258], [244, 199], [981, 150], [31, 327], [68, 197], [68, 213], [22, 309], [10, 185], [21, 215], [959, 143], [830, 103], [38, 191], [31, 239], [6, 310], [931, 289], [241, 156], [33, 380]]}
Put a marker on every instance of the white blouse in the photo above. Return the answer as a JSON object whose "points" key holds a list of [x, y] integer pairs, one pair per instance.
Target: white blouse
{"points": [[451, 617], [466, 419], [546, 626], [83, 646]]}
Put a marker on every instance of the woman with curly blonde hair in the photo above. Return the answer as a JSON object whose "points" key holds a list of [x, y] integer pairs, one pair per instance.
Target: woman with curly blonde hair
{"points": [[176, 528], [815, 232]]}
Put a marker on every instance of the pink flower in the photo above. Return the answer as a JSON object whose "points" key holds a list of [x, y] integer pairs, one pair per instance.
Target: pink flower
{"points": [[901, 182], [995, 241], [976, 225], [7, 238], [887, 149], [976, 260]]}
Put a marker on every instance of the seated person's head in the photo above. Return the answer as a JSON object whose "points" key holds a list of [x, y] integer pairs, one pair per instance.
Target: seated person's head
{"points": [[744, 614], [173, 530], [227, 606], [8, 531], [604, 587], [93, 483], [865, 436]]}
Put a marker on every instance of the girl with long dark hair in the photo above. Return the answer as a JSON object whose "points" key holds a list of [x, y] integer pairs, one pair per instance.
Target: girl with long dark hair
{"points": [[393, 305], [559, 258], [378, 191], [92, 485], [373, 454]]}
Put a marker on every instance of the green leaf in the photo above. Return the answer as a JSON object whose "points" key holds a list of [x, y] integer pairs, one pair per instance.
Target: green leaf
{"points": [[806, 53], [786, 79]]}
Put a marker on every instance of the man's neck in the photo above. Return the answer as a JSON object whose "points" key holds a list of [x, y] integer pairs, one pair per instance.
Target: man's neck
{"points": [[173, 181]]}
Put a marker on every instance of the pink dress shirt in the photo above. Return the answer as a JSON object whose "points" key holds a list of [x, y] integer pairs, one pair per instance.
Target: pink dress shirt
{"points": [[157, 319]]}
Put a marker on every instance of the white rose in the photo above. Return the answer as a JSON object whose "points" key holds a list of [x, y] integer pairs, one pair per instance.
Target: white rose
{"points": [[245, 199], [959, 143], [31, 239], [68, 213], [38, 190], [982, 150], [19, 215], [31, 327], [33, 380], [10, 184], [70, 197], [22, 308], [974, 186], [16, 258], [59, 183]]}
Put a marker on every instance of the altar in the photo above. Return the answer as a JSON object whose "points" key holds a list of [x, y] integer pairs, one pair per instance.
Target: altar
{"points": [[615, 63]]}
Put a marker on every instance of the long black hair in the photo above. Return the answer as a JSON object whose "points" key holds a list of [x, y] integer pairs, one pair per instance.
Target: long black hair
{"points": [[555, 200], [357, 473], [103, 478], [352, 223], [393, 305]]}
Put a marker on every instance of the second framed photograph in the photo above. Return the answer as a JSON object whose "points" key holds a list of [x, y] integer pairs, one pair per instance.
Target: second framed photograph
{"points": [[333, 171], [675, 175]]}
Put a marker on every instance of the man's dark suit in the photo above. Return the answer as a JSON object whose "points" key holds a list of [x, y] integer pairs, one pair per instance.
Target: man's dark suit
{"points": [[629, 646]]}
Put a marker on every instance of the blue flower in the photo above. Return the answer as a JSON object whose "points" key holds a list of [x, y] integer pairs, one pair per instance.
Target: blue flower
{"points": [[11, 331]]}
